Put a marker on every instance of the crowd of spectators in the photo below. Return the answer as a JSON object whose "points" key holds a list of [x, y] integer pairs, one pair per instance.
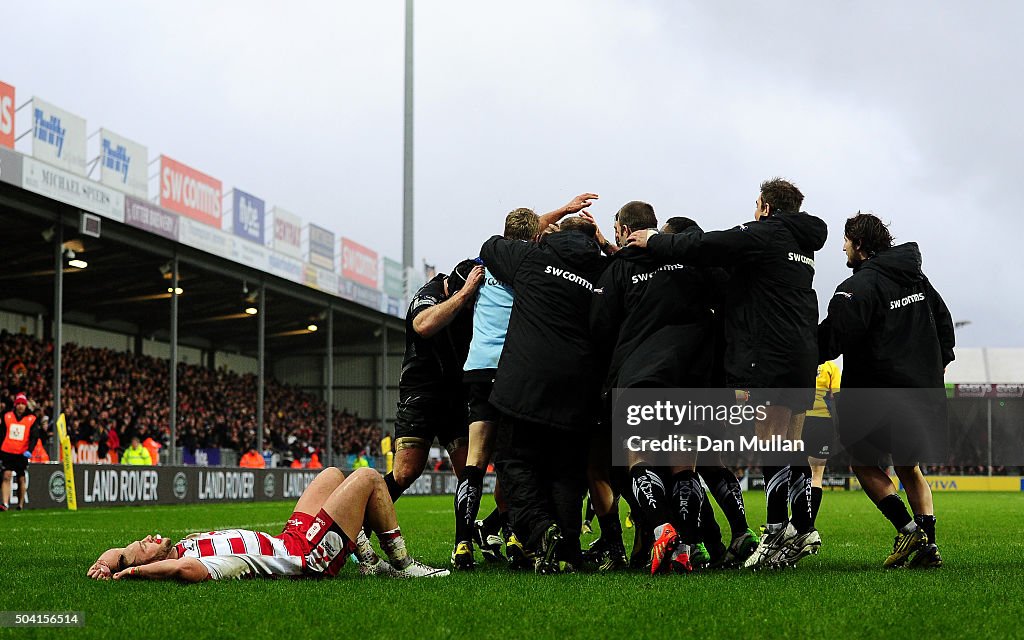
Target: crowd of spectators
{"points": [[972, 470], [109, 396]]}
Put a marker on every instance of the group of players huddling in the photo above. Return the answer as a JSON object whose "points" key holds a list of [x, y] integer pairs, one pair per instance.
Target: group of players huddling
{"points": [[516, 357]]}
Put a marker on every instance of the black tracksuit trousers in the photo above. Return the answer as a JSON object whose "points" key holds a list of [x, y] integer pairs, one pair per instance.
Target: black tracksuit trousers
{"points": [[543, 472]]}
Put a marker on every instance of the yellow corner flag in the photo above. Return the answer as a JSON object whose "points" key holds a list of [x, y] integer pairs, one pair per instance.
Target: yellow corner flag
{"points": [[69, 469]]}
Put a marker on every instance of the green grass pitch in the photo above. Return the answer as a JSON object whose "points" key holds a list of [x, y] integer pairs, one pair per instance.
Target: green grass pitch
{"points": [[842, 593]]}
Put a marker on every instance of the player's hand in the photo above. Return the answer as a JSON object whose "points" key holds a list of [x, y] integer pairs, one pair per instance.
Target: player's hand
{"points": [[580, 202], [589, 217], [473, 281], [99, 571], [639, 238], [130, 572], [601, 240]]}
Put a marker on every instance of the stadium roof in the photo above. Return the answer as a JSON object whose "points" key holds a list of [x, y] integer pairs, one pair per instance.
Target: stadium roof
{"points": [[987, 366], [125, 286]]}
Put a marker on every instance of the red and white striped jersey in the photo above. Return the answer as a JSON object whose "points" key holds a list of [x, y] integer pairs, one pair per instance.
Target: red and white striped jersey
{"points": [[236, 553]]}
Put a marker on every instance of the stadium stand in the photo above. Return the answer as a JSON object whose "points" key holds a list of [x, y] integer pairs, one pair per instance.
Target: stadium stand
{"points": [[216, 408]]}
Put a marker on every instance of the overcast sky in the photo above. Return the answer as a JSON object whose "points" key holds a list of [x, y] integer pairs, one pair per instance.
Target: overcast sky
{"points": [[910, 109]]}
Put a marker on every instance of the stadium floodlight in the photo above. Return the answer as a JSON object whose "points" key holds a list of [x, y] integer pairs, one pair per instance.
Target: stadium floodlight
{"points": [[73, 259], [252, 311], [311, 328], [176, 291]]}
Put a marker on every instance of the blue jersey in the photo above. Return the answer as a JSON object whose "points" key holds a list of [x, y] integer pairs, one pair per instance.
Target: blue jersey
{"points": [[490, 323]]}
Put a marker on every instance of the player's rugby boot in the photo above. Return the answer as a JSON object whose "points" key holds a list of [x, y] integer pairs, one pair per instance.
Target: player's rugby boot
{"points": [[515, 553], [903, 545], [417, 569], [379, 567], [612, 557], [681, 559], [462, 556], [488, 542], [595, 550], [664, 545], [769, 548], [699, 556], [927, 558], [546, 560], [741, 547], [803, 545]]}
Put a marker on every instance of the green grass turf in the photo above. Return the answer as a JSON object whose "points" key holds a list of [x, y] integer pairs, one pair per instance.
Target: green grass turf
{"points": [[842, 593]]}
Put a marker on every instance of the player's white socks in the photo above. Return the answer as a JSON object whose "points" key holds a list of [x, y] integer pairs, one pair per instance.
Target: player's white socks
{"points": [[364, 550], [394, 546]]}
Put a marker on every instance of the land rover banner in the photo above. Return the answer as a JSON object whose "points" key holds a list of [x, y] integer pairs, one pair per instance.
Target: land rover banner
{"points": [[111, 485]]}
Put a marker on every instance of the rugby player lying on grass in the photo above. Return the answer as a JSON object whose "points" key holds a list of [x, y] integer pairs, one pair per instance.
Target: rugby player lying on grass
{"points": [[309, 546]]}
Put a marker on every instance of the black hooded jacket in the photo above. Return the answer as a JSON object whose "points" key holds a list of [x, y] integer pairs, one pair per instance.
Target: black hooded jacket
{"points": [[890, 324], [654, 323], [770, 308], [548, 372]]}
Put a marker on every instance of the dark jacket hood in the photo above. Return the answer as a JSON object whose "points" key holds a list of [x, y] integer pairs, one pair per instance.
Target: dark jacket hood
{"points": [[643, 256], [574, 248], [902, 263], [810, 232], [633, 254]]}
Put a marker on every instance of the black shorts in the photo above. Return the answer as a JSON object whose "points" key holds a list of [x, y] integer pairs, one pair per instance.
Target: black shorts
{"points": [[796, 400], [421, 417], [901, 427], [16, 464], [478, 386], [819, 433]]}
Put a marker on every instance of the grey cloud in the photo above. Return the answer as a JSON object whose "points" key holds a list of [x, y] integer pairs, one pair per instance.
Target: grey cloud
{"points": [[908, 109]]}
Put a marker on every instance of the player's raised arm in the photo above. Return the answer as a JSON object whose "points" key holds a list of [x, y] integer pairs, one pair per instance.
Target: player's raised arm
{"points": [[576, 205], [430, 316], [606, 247], [704, 249]]}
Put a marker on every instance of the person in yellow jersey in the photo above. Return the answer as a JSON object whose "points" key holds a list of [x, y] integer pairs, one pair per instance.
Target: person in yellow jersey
{"points": [[819, 428], [136, 454], [361, 461], [386, 451]]}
